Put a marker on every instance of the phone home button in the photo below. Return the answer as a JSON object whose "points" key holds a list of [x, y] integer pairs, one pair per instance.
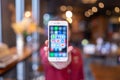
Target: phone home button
{"points": [[58, 59]]}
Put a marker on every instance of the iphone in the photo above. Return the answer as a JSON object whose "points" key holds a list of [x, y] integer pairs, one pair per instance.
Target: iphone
{"points": [[58, 41]]}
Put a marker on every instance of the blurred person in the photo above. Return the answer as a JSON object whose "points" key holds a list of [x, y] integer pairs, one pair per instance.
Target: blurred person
{"points": [[70, 70]]}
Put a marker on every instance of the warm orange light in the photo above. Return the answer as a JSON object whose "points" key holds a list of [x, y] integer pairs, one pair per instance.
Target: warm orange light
{"points": [[90, 12], [117, 10], [69, 20], [63, 8], [119, 19], [89, 1], [87, 14], [27, 14], [68, 14], [101, 5], [94, 9]]}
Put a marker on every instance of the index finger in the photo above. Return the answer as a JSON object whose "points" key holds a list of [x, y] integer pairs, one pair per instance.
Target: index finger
{"points": [[70, 48], [46, 42]]}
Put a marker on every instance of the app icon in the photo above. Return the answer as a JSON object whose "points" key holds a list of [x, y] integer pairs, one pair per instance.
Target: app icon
{"points": [[51, 54], [64, 54], [60, 32], [52, 45], [60, 49], [56, 55], [62, 40], [56, 28], [57, 45], [58, 40], [63, 36], [63, 45], [64, 32], [52, 40], [56, 32], [51, 32], [55, 49], [60, 28], [57, 36], [60, 36], [53, 36], [64, 28], [51, 28], [60, 55]]}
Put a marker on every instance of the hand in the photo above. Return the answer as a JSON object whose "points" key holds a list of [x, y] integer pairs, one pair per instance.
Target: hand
{"points": [[59, 65]]}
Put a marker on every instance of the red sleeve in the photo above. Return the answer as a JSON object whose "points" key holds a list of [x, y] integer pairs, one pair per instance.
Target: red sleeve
{"points": [[77, 64], [43, 56]]}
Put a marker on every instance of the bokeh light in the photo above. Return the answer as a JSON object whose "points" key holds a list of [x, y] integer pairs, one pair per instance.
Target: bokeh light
{"points": [[101, 5], [68, 14], [94, 9], [27, 14]]}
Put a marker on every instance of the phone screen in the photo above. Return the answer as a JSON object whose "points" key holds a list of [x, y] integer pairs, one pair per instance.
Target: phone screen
{"points": [[58, 41]]}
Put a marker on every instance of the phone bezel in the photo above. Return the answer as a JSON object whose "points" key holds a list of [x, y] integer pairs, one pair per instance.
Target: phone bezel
{"points": [[59, 23]]}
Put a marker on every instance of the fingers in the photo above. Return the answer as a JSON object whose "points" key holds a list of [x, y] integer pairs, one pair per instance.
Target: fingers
{"points": [[46, 42], [46, 49], [70, 48]]}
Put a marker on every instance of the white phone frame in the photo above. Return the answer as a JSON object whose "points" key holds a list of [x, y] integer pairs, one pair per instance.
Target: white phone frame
{"points": [[58, 23]]}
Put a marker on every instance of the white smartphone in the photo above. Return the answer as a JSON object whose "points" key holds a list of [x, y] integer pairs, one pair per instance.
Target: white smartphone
{"points": [[58, 41]]}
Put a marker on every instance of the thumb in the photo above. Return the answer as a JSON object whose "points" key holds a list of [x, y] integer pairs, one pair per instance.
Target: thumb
{"points": [[70, 48]]}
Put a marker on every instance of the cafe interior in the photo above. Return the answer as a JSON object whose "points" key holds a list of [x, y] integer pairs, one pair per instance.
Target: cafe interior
{"points": [[24, 30]]}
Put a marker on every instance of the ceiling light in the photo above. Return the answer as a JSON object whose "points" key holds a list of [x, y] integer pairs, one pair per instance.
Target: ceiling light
{"points": [[27, 14], [94, 9], [69, 20], [63, 8], [87, 14], [90, 11], [101, 5], [84, 42], [68, 14], [46, 16], [117, 10]]}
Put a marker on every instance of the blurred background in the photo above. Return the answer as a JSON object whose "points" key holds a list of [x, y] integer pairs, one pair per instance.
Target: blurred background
{"points": [[95, 30]]}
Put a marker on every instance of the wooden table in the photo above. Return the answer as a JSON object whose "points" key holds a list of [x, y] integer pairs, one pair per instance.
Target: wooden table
{"points": [[105, 72], [26, 53]]}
